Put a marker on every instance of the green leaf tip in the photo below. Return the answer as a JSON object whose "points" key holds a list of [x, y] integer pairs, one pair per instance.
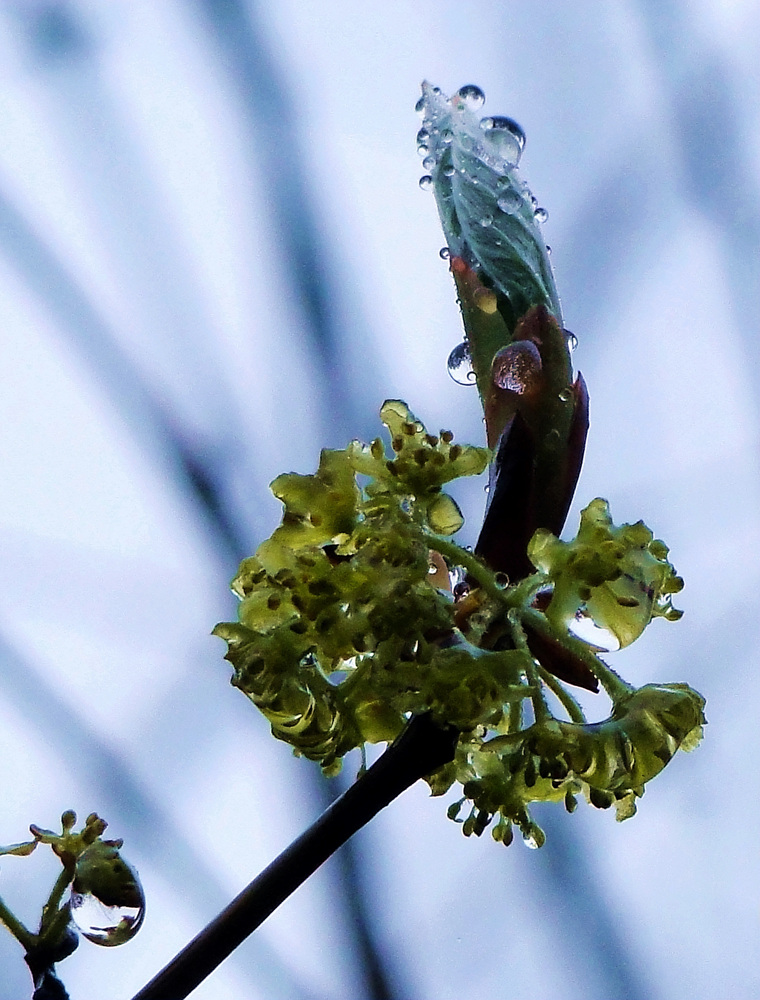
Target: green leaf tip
{"points": [[489, 216]]}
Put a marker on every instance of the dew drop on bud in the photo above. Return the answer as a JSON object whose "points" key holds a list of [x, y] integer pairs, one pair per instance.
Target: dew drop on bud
{"points": [[419, 107], [426, 182], [460, 365], [471, 96], [518, 368], [572, 340], [444, 253], [505, 137], [429, 162], [540, 215], [422, 136], [107, 901], [448, 170], [461, 590], [486, 221], [531, 842]]}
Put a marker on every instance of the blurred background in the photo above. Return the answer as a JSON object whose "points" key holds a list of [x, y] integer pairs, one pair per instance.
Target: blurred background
{"points": [[215, 259]]}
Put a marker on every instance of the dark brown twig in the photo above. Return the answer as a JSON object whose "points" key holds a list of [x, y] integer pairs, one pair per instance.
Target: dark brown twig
{"points": [[422, 748]]}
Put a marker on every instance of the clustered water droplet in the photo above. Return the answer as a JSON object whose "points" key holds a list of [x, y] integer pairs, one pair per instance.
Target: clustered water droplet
{"points": [[460, 365], [471, 96], [426, 182], [429, 162]]}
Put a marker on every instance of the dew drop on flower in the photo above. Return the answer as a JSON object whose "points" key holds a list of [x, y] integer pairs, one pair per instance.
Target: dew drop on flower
{"points": [[106, 925], [444, 253], [471, 96], [505, 137], [426, 182], [107, 901], [540, 215], [460, 365]]}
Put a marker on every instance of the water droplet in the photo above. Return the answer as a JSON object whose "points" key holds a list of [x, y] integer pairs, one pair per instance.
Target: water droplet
{"points": [[566, 395], [460, 365], [540, 215], [548, 250], [518, 368], [426, 182], [106, 925], [429, 162], [444, 253], [419, 107], [505, 137], [423, 149], [107, 900], [510, 201], [471, 96], [461, 590], [422, 136], [572, 340], [531, 842], [501, 580], [446, 136], [486, 221], [584, 626], [448, 170]]}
